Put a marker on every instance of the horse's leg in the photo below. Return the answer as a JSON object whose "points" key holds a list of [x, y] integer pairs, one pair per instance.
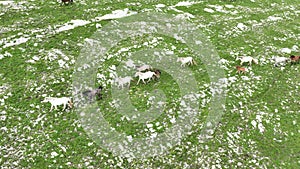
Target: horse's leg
{"points": [[138, 81], [64, 106], [51, 107]]}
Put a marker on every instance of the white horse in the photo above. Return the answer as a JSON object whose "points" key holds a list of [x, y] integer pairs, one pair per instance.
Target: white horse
{"points": [[247, 59], [58, 101], [186, 60], [280, 60], [123, 81], [143, 76]]}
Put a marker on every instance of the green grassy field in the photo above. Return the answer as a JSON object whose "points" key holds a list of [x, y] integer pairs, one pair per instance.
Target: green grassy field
{"points": [[260, 124]]}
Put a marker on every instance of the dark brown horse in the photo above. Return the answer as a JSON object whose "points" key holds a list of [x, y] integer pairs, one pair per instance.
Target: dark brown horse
{"points": [[157, 73], [65, 1]]}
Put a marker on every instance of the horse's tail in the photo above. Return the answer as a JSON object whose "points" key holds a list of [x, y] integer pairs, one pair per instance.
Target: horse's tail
{"points": [[70, 102], [195, 63], [255, 61]]}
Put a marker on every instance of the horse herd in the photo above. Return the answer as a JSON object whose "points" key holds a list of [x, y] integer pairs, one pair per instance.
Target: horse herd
{"points": [[146, 72], [278, 61]]}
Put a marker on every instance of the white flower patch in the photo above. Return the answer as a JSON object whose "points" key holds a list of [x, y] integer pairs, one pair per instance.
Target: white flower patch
{"points": [[3, 117], [98, 25], [53, 154], [3, 88], [260, 126], [149, 125], [133, 4], [295, 48], [179, 38], [223, 61], [72, 24], [173, 120], [258, 123], [17, 41], [129, 138], [241, 26], [153, 135], [224, 64], [91, 42], [116, 14], [218, 8], [219, 87], [6, 54], [245, 78], [160, 5], [33, 60], [209, 10], [61, 63], [130, 63], [38, 120], [232, 79], [55, 54], [185, 16], [273, 18], [286, 50], [229, 6], [6, 2], [3, 129], [186, 3], [62, 148]]}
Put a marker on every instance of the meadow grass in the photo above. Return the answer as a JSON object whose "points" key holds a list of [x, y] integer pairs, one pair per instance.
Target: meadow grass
{"points": [[272, 100]]}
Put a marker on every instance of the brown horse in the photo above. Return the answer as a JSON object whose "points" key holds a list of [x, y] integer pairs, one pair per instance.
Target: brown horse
{"points": [[240, 69], [157, 73], [294, 59]]}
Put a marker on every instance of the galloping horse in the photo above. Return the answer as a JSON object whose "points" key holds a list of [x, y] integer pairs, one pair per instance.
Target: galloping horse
{"points": [[240, 69]]}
